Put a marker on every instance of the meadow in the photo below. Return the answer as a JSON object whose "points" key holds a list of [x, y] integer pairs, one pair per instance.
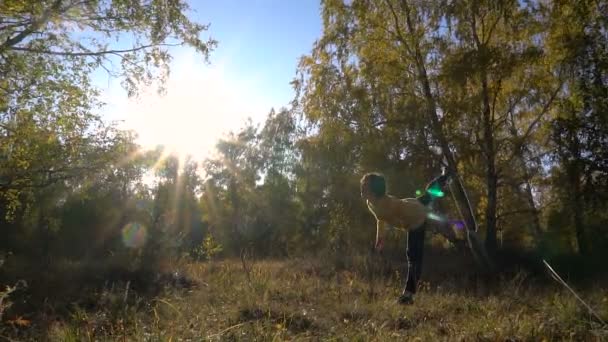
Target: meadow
{"points": [[307, 299]]}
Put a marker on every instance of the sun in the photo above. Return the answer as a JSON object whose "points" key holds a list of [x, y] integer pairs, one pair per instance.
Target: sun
{"points": [[200, 105], [183, 133], [183, 121]]}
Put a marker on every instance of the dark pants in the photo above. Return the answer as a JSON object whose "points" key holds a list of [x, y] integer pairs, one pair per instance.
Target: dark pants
{"points": [[414, 252], [415, 239]]}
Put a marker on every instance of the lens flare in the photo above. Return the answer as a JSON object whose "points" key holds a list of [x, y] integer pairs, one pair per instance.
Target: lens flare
{"points": [[458, 224], [435, 217], [418, 192], [436, 192], [134, 235]]}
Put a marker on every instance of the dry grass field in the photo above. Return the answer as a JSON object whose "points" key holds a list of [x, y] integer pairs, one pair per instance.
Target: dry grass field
{"points": [[304, 300]]}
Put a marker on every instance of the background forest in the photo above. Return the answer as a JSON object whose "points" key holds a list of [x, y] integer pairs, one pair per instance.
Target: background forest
{"points": [[517, 91]]}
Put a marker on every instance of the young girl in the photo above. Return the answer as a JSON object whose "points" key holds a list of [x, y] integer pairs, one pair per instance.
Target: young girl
{"points": [[410, 214]]}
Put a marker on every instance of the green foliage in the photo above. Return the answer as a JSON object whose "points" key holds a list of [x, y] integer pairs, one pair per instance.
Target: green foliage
{"points": [[207, 249], [50, 130], [44, 31], [69, 182], [339, 231], [580, 132], [493, 74], [496, 77]]}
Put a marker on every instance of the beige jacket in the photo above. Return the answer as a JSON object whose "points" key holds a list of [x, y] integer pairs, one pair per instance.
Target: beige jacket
{"points": [[406, 213]]}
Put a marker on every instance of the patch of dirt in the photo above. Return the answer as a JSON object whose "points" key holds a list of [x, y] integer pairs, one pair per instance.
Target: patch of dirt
{"points": [[403, 323], [354, 316], [294, 322]]}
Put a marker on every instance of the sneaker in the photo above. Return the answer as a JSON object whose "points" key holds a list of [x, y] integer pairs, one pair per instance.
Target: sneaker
{"points": [[407, 298]]}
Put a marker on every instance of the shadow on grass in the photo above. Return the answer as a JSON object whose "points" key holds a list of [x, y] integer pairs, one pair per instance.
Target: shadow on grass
{"points": [[67, 290]]}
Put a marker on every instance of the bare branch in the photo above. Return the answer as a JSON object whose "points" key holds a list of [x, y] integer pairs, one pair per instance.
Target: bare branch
{"points": [[389, 122], [473, 23], [505, 116], [499, 86], [91, 53], [492, 27], [536, 120], [543, 111], [398, 27]]}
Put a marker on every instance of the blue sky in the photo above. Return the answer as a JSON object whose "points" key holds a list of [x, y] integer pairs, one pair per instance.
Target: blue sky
{"points": [[264, 38], [259, 45]]}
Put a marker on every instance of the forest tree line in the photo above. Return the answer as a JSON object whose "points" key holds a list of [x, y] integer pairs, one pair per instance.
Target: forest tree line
{"points": [[517, 91]]}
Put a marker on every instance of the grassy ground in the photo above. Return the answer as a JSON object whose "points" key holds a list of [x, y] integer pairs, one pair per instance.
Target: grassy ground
{"points": [[301, 300]]}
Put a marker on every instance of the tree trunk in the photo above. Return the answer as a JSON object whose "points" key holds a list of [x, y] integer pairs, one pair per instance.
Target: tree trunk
{"points": [[491, 241], [577, 207], [477, 248], [536, 229], [489, 148], [431, 107], [491, 174], [236, 219], [581, 238], [519, 154]]}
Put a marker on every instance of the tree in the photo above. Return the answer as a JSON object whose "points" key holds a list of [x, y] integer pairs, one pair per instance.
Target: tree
{"points": [[229, 192], [493, 52], [176, 226], [44, 30], [277, 215], [469, 77], [53, 142], [47, 102], [102, 210], [580, 133]]}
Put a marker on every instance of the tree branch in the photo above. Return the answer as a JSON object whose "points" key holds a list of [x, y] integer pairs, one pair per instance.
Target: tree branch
{"points": [[398, 27], [6, 128], [504, 117], [536, 120], [91, 53], [387, 122], [498, 87], [473, 23], [36, 24], [62, 174], [492, 27]]}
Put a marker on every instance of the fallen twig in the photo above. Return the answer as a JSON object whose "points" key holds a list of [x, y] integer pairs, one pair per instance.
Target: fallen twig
{"points": [[562, 282], [226, 330], [126, 296], [169, 305]]}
